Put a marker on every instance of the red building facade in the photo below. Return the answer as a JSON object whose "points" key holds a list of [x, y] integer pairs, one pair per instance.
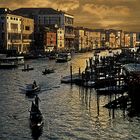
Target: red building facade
{"points": [[50, 41]]}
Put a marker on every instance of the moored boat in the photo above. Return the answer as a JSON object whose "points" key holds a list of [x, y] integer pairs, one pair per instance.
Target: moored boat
{"points": [[7, 62], [112, 90], [27, 68], [63, 57]]}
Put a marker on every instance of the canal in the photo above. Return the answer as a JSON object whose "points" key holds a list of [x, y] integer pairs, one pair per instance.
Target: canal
{"points": [[70, 112]]}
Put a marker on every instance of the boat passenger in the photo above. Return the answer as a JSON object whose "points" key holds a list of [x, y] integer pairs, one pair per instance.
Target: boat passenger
{"points": [[34, 83]]}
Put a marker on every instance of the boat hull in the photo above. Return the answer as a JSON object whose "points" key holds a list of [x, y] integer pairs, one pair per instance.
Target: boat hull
{"points": [[32, 91], [28, 69], [8, 66]]}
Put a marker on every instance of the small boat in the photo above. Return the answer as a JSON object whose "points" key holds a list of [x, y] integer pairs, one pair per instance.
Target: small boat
{"points": [[47, 71], [31, 89], [36, 118], [27, 68], [89, 84], [52, 56], [63, 57]]}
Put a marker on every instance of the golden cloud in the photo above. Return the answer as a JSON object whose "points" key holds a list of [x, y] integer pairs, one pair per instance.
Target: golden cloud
{"points": [[64, 5], [103, 11]]}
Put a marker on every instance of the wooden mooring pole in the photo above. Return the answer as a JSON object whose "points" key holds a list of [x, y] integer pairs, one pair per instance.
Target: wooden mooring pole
{"points": [[71, 72]]}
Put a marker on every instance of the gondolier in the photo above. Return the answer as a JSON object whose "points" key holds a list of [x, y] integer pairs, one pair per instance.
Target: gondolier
{"points": [[37, 101]]}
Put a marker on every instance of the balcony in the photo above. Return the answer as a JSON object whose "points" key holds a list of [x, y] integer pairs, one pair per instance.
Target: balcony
{"points": [[27, 40], [16, 41], [69, 24], [69, 35]]}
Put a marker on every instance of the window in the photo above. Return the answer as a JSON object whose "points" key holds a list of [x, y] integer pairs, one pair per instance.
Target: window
{"points": [[2, 26], [2, 17], [27, 28], [14, 26]]}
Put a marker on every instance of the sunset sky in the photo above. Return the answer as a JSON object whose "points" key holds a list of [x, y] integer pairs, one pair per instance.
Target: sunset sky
{"points": [[116, 14]]}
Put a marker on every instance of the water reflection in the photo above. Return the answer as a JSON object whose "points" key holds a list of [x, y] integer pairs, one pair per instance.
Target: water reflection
{"points": [[85, 97], [70, 112]]}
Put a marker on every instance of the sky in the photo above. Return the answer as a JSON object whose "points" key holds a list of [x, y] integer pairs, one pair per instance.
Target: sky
{"points": [[95, 14]]}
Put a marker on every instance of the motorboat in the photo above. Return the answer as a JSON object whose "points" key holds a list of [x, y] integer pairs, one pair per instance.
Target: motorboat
{"points": [[10, 62], [7, 62], [63, 57]]}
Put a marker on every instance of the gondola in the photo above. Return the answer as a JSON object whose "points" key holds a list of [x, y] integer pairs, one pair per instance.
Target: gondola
{"points": [[32, 89], [47, 71], [36, 118]]}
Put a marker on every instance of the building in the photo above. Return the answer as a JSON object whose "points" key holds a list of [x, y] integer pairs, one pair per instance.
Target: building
{"points": [[113, 38], [50, 40], [79, 41], [44, 17], [118, 39], [16, 32], [60, 39], [27, 34], [96, 36], [127, 39], [132, 39], [138, 39]]}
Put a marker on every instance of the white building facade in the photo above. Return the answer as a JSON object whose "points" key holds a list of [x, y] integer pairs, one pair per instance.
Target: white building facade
{"points": [[16, 32]]}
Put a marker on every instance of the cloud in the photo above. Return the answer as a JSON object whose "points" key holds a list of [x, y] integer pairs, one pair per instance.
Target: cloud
{"points": [[123, 14], [103, 11], [64, 5], [116, 1]]}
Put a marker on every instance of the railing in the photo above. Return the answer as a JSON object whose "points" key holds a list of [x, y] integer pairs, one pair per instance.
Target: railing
{"points": [[69, 35]]}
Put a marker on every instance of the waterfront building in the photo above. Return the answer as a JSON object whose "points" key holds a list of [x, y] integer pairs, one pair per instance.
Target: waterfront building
{"points": [[138, 39], [96, 39], [60, 39], [102, 38], [87, 38], [118, 39], [27, 34], [16, 32], [132, 39], [127, 39], [48, 16], [122, 39], [113, 38], [82, 38], [50, 40], [79, 41]]}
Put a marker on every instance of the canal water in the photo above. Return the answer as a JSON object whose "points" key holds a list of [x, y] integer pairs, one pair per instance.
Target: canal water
{"points": [[70, 112]]}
